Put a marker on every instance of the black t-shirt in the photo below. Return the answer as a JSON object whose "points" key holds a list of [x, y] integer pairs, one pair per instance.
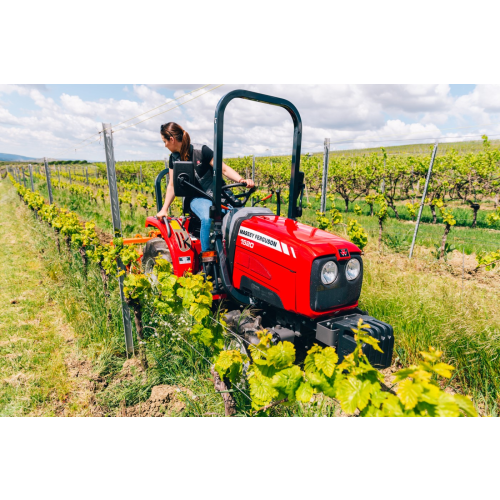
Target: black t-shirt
{"points": [[207, 155]]}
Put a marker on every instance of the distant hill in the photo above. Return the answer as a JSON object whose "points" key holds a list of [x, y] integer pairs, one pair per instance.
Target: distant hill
{"points": [[7, 157]]}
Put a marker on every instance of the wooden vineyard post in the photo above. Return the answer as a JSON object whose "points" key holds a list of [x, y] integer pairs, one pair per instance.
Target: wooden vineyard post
{"points": [[31, 177], [325, 176], [117, 227], [422, 203], [87, 174], [49, 183], [24, 176]]}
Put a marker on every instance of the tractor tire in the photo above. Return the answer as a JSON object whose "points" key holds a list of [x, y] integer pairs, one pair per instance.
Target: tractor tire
{"points": [[157, 247], [242, 328]]}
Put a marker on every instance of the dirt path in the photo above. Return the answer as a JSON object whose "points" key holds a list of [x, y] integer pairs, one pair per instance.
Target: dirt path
{"points": [[41, 371]]}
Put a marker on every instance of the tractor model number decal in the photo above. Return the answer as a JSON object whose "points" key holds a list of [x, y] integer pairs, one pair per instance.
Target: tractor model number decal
{"points": [[246, 243], [343, 252], [260, 238], [184, 260]]}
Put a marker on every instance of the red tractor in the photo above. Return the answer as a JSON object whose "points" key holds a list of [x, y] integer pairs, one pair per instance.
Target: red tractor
{"points": [[303, 282]]}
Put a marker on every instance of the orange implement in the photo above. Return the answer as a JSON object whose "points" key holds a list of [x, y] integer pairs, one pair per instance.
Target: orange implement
{"points": [[137, 240]]}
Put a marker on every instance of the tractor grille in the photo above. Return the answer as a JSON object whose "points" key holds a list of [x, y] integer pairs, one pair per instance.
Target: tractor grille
{"points": [[341, 292]]}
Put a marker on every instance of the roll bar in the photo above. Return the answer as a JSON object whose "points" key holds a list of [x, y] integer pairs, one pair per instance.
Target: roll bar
{"points": [[159, 196], [215, 211]]}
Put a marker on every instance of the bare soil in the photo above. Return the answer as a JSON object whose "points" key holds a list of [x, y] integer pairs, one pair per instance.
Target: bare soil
{"points": [[165, 401]]}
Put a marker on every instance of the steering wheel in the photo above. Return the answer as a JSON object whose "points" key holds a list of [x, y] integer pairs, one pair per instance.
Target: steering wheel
{"points": [[234, 199]]}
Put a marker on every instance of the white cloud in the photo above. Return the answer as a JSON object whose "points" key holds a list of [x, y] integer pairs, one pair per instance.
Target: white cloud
{"points": [[358, 114]]}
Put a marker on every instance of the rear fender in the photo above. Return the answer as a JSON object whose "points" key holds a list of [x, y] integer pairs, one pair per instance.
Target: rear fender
{"points": [[182, 261]]}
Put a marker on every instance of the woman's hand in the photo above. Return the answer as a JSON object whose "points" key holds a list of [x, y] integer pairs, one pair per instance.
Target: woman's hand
{"points": [[162, 213], [249, 182]]}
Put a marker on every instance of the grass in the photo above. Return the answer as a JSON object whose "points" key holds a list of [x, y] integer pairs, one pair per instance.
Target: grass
{"points": [[33, 334], [428, 307]]}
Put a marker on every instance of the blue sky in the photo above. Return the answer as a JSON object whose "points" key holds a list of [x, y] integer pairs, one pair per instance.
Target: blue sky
{"points": [[52, 120]]}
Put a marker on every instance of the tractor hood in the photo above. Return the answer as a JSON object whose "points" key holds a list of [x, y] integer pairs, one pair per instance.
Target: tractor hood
{"points": [[296, 243]]}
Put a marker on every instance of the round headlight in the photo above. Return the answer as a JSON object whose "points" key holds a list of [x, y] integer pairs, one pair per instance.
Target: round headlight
{"points": [[329, 272], [352, 269]]}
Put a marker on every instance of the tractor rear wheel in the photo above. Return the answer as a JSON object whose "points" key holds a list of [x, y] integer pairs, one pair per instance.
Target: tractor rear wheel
{"points": [[157, 247]]}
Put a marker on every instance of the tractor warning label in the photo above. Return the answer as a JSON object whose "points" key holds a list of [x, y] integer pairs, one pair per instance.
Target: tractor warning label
{"points": [[260, 238], [184, 260]]}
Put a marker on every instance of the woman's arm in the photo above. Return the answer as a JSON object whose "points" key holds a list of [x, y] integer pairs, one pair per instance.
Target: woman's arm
{"points": [[233, 175], [169, 196]]}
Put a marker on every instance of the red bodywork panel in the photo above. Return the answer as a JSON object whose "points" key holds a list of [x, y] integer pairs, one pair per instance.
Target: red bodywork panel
{"points": [[278, 253], [184, 258], [273, 251]]}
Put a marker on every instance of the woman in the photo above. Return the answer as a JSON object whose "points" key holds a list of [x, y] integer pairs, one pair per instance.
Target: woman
{"points": [[178, 142]]}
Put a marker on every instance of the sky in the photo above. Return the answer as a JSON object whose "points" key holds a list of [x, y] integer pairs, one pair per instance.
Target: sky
{"points": [[63, 121]]}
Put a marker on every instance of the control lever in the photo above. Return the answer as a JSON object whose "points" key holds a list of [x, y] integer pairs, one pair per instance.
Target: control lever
{"points": [[169, 229]]}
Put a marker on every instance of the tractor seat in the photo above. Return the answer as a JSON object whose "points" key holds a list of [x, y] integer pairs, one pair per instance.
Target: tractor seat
{"points": [[232, 222]]}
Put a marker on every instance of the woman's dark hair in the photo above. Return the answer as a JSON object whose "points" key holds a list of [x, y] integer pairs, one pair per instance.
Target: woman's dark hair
{"points": [[172, 129]]}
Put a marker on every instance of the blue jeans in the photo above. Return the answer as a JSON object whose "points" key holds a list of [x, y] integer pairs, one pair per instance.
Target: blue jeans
{"points": [[201, 207]]}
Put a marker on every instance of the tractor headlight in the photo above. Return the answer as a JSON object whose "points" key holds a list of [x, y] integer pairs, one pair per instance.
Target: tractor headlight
{"points": [[329, 272], [352, 269]]}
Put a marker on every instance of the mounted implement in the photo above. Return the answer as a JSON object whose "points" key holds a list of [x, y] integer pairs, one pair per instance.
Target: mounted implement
{"points": [[304, 282]]}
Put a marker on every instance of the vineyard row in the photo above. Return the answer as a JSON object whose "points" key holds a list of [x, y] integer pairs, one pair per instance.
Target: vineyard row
{"points": [[270, 371]]}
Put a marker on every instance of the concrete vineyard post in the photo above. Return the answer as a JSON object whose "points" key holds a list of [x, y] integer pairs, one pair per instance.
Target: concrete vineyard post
{"points": [[117, 226], [69, 173], [87, 174], [434, 151], [382, 186], [140, 176], [31, 177], [24, 176], [49, 183], [325, 175]]}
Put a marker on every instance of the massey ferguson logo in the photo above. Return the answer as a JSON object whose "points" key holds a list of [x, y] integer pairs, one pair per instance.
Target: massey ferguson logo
{"points": [[343, 252], [260, 238]]}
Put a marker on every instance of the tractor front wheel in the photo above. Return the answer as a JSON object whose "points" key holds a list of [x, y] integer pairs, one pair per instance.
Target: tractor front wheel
{"points": [[157, 247]]}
